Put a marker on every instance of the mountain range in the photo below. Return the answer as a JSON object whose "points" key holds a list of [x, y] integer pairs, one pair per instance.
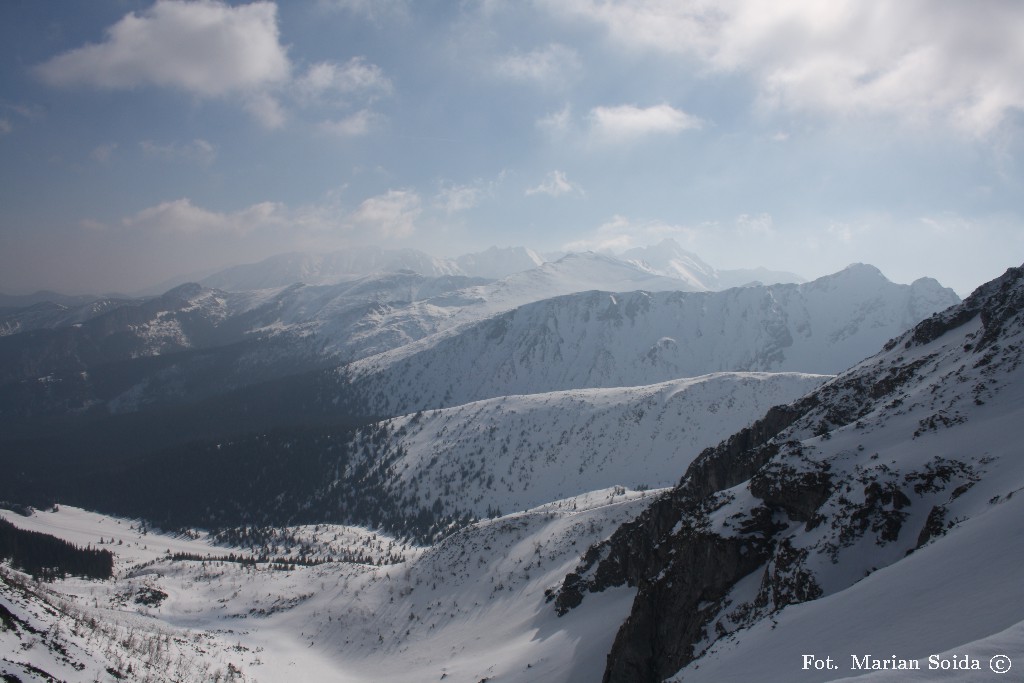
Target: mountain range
{"points": [[594, 468], [667, 258], [602, 339], [516, 333]]}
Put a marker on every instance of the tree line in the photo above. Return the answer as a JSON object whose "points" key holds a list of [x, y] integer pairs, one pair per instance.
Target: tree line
{"points": [[47, 557]]}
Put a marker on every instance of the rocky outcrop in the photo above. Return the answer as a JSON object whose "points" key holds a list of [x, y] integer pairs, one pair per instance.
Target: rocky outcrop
{"points": [[798, 491], [737, 458], [671, 613], [635, 551]]}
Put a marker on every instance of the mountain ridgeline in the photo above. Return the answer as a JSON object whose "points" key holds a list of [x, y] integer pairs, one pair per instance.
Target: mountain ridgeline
{"points": [[600, 339], [417, 342], [906, 453]]}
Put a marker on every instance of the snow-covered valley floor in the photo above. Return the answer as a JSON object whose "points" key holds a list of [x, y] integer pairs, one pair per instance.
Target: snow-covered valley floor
{"points": [[472, 607]]}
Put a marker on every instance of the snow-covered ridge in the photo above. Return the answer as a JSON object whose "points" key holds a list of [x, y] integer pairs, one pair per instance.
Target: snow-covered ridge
{"points": [[517, 452], [350, 264], [599, 339], [670, 259], [382, 312], [399, 314], [498, 262], [666, 259]]}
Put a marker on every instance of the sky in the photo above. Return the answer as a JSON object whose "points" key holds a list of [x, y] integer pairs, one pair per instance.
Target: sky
{"points": [[141, 142]]}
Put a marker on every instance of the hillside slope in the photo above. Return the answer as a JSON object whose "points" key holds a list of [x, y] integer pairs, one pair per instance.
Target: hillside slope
{"points": [[889, 496], [517, 452], [467, 609], [599, 339]]}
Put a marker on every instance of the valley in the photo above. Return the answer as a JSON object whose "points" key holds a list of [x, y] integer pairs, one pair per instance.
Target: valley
{"points": [[513, 493]]}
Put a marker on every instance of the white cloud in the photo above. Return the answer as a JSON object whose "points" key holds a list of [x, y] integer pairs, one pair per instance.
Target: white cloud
{"points": [[666, 25], [266, 109], [338, 84], [181, 216], [197, 151], [102, 153], [211, 49], [846, 232], [92, 225], [553, 64], [619, 233], [355, 75], [355, 125], [392, 214], [628, 122], [206, 48], [555, 185], [27, 111], [760, 225], [948, 223], [456, 198], [556, 123], [918, 60], [374, 10], [5, 127]]}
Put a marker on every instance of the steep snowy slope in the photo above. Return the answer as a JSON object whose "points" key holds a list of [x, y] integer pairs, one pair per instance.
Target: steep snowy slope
{"points": [[606, 340], [668, 258], [880, 515], [386, 311], [497, 262], [517, 452], [578, 273], [364, 316]]}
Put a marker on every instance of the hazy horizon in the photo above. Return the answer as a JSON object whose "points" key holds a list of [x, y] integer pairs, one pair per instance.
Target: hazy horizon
{"points": [[789, 136]]}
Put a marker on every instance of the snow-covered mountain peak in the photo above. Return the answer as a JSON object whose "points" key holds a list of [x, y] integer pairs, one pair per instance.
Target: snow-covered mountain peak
{"points": [[184, 292], [498, 262], [863, 274], [610, 274], [670, 259]]}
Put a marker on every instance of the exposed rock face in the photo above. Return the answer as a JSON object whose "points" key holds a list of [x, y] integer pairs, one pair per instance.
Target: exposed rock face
{"points": [[667, 618], [797, 502], [632, 555], [799, 492], [737, 458]]}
